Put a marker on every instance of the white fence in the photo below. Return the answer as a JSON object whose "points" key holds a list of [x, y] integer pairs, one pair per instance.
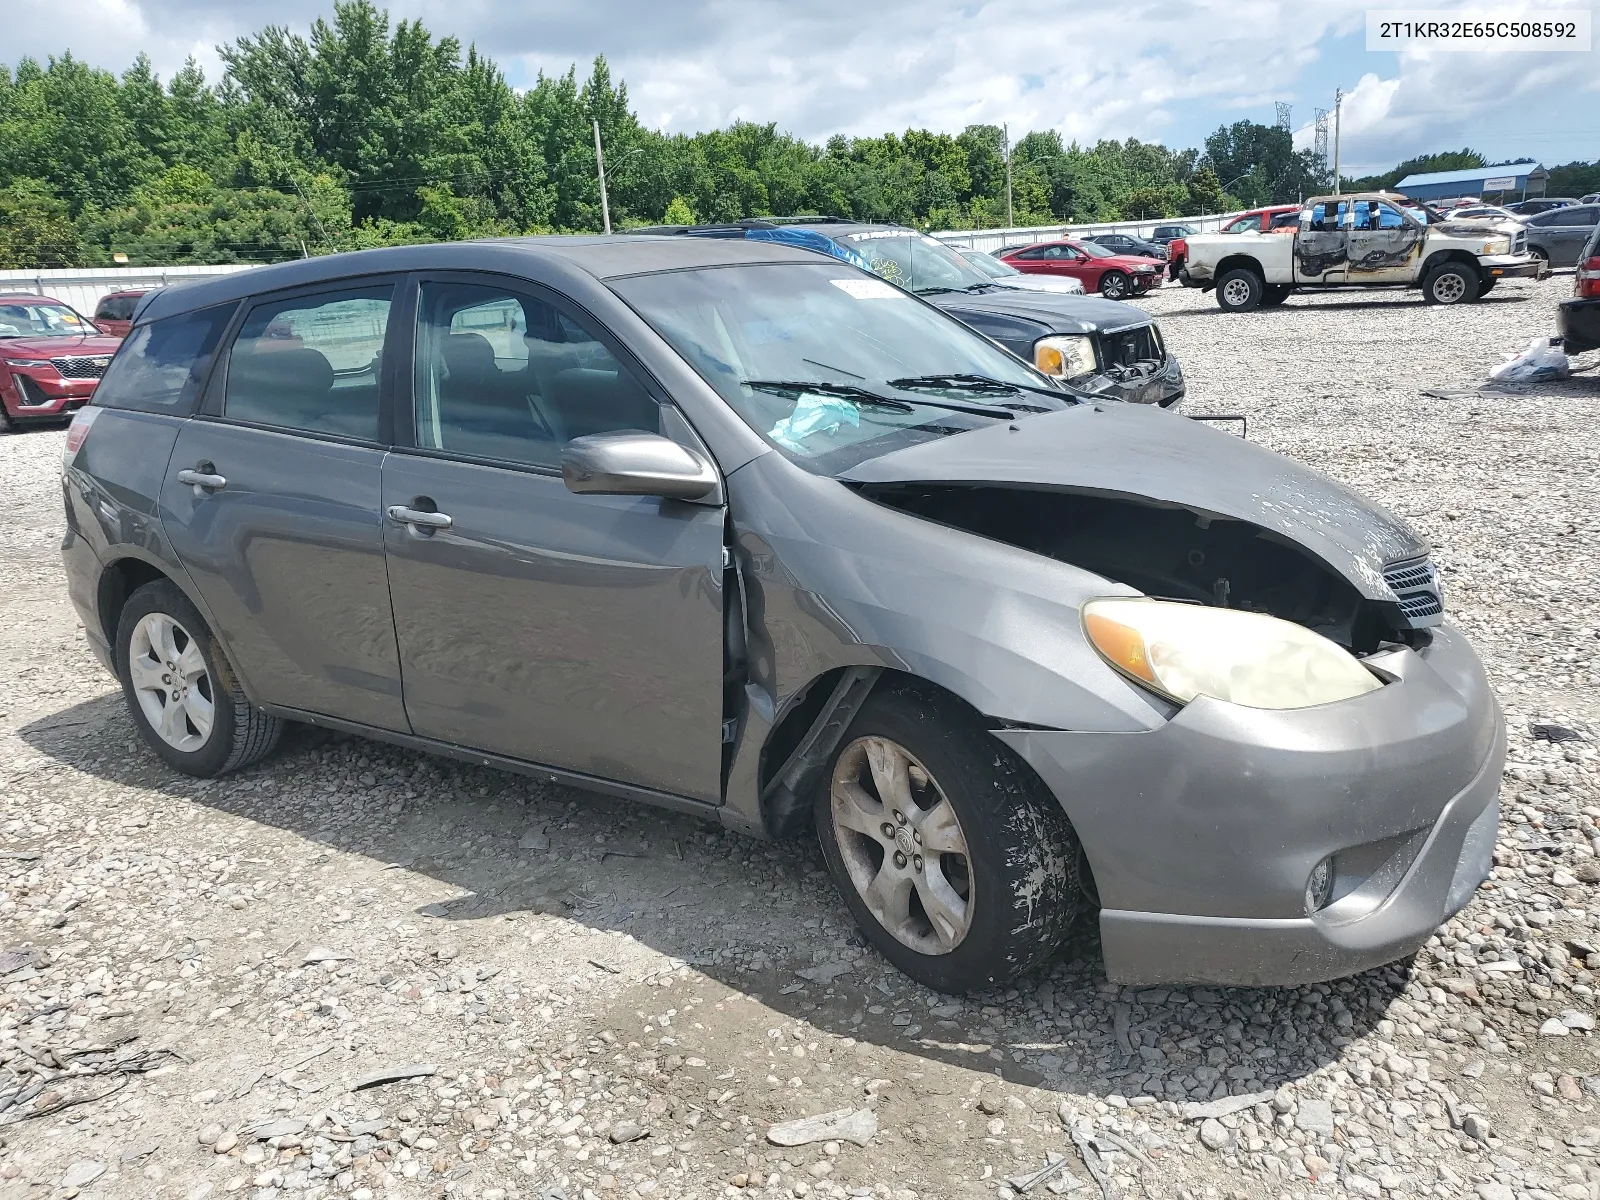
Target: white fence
{"points": [[994, 239], [81, 288]]}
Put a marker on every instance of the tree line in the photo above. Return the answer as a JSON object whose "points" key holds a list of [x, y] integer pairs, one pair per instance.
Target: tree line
{"points": [[367, 133]]}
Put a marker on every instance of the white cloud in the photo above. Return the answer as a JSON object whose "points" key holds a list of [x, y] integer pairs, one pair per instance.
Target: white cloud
{"points": [[1156, 69]]}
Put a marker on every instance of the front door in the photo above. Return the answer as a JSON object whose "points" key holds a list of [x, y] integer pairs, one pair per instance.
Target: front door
{"points": [[271, 502], [582, 632], [1385, 244], [1321, 244]]}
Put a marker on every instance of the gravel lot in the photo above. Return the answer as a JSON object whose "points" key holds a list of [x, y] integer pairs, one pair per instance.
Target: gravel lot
{"points": [[198, 978]]}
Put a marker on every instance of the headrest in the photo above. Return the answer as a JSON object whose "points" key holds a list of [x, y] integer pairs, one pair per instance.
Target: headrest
{"points": [[298, 369]]}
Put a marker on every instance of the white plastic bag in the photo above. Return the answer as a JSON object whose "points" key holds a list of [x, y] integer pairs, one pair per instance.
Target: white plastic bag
{"points": [[1542, 359]]}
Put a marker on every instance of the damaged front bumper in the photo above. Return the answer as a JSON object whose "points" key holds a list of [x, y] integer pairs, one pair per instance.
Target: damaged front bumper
{"points": [[1163, 385], [1513, 266], [1203, 834]]}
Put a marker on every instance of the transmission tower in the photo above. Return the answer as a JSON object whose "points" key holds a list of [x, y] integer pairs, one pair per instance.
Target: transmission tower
{"points": [[1319, 147], [1284, 119]]}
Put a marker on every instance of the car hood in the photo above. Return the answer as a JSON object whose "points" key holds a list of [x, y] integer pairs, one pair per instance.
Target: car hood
{"points": [[56, 347], [1062, 312], [1142, 453], [1130, 262]]}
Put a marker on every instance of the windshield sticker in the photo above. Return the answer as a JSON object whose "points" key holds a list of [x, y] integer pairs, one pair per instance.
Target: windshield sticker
{"points": [[872, 235], [814, 414], [867, 289]]}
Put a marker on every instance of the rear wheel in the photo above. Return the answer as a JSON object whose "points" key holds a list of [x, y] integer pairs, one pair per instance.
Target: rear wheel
{"points": [[1240, 290], [953, 858], [1274, 294], [180, 689], [1450, 283], [1115, 285]]}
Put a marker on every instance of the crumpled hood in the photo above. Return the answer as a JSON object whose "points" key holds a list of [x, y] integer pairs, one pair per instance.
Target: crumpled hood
{"points": [[1061, 312], [57, 347], [1141, 452]]}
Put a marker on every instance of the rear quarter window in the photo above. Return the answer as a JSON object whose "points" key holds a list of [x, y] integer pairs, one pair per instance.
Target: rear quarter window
{"points": [[160, 366]]}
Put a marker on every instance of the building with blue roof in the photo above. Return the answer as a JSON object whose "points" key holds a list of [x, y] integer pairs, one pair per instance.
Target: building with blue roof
{"points": [[1514, 181]]}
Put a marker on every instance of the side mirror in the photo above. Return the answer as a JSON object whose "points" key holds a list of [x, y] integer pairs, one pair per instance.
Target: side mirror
{"points": [[631, 463]]}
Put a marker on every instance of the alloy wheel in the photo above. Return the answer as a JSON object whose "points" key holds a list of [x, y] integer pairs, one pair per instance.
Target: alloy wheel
{"points": [[1114, 287], [171, 682], [902, 845]]}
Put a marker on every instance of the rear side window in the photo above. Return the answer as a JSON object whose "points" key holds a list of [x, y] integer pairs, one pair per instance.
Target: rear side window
{"points": [[116, 308], [311, 363], [160, 366]]}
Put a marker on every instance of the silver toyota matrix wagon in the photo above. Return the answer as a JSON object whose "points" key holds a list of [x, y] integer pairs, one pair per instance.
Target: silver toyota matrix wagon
{"points": [[737, 529]]}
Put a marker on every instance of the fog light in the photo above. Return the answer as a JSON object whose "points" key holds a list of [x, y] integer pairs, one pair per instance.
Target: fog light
{"points": [[1319, 888]]}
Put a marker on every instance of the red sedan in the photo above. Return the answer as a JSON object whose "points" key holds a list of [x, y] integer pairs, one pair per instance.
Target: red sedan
{"points": [[1114, 276], [51, 358]]}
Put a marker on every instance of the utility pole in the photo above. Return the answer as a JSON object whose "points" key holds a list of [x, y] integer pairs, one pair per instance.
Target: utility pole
{"points": [[1338, 103], [1011, 220], [600, 165]]}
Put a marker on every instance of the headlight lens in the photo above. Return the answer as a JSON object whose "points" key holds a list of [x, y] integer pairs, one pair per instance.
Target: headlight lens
{"points": [[1186, 650], [27, 362], [1067, 357]]}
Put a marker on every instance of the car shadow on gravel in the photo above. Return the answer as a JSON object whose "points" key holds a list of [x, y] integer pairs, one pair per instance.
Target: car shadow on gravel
{"points": [[762, 919]]}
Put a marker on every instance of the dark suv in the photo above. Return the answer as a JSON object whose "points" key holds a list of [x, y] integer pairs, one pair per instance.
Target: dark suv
{"points": [[1096, 345]]}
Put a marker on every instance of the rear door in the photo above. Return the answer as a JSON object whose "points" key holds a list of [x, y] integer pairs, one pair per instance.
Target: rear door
{"points": [[1565, 231], [582, 632], [272, 501], [1321, 243]]}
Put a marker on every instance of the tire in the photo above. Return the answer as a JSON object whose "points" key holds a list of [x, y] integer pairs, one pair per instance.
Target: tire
{"points": [[1274, 294], [1007, 897], [1115, 285], [1487, 286], [1240, 290], [1450, 283], [1540, 253], [8, 423], [157, 619]]}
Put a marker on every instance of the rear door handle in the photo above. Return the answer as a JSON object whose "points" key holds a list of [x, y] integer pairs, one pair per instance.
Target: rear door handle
{"points": [[417, 518], [202, 481]]}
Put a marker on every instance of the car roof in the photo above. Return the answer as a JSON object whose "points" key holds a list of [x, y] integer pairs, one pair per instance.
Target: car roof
{"points": [[127, 292], [602, 257], [28, 297]]}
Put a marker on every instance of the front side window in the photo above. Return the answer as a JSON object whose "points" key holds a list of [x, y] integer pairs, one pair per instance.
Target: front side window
{"points": [[311, 363], [506, 376], [830, 365], [160, 367]]}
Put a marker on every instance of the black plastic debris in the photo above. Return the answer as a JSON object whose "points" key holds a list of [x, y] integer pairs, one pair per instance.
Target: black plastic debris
{"points": [[1554, 733]]}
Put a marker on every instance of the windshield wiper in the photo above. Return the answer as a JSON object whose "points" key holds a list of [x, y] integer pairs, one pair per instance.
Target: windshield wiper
{"points": [[936, 291], [985, 384], [871, 399], [842, 391]]}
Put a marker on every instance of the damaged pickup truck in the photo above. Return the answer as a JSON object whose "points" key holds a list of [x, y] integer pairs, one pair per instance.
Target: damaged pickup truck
{"points": [[1363, 240], [728, 527]]}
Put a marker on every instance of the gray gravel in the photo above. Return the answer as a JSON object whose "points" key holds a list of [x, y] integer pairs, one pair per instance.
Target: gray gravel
{"points": [[206, 988]]}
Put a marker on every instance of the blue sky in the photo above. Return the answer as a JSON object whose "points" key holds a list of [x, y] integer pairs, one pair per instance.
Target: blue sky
{"points": [[1165, 70]]}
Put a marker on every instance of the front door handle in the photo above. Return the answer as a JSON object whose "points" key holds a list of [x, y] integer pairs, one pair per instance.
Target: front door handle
{"points": [[202, 481], [417, 518]]}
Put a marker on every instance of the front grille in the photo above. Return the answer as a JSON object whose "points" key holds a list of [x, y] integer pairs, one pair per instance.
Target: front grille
{"points": [[1130, 348], [81, 366], [1415, 583], [1519, 241]]}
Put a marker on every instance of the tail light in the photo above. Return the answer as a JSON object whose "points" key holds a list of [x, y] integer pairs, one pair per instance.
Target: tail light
{"points": [[1588, 281], [78, 431]]}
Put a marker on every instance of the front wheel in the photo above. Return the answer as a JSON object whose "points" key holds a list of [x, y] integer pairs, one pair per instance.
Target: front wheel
{"points": [[1450, 283], [1240, 290], [180, 689], [953, 858], [1115, 285]]}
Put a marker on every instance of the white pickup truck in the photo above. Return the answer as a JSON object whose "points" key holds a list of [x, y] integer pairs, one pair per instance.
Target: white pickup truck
{"points": [[1361, 240]]}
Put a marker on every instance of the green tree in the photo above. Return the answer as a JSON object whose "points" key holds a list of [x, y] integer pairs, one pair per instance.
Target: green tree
{"points": [[678, 213], [35, 228]]}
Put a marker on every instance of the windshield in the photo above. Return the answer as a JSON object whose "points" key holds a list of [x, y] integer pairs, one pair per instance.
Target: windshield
{"points": [[1094, 250], [989, 264], [914, 261], [831, 366], [41, 320]]}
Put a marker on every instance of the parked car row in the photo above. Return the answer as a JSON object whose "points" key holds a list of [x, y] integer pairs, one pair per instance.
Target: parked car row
{"points": [[753, 522]]}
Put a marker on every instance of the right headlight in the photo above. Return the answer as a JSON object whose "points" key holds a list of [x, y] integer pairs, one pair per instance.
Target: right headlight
{"points": [[1069, 357], [1186, 650]]}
